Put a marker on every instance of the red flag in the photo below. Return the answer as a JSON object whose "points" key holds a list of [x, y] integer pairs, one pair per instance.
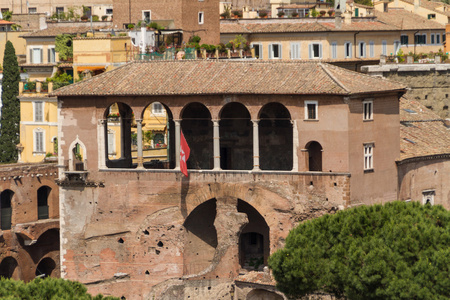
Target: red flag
{"points": [[184, 154]]}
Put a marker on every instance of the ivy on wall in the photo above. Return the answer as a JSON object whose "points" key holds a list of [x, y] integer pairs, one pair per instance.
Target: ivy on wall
{"points": [[64, 46]]}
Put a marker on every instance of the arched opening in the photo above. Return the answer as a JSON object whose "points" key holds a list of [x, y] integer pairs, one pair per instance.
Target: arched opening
{"points": [[6, 209], [42, 196], [314, 158], [158, 137], [201, 238], [198, 131], [46, 267], [275, 138], [9, 268], [78, 156], [118, 137], [254, 239], [236, 147]]}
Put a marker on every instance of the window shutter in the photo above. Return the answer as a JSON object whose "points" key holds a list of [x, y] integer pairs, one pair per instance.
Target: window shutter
{"points": [[270, 51], [350, 49], [320, 51], [31, 56], [310, 50], [42, 55], [280, 55]]}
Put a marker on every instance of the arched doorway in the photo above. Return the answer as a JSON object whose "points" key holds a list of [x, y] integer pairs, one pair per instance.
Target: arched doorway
{"points": [[6, 209], [201, 238], [314, 156], [42, 197], [254, 239], [275, 137], [118, 139], [236, 147], [198, 131], [9, 268], [158, 137], [46, 267]]}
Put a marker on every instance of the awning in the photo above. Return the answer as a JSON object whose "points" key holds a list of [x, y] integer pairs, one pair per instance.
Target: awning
{"points": [[91, 68], [154, 127]]}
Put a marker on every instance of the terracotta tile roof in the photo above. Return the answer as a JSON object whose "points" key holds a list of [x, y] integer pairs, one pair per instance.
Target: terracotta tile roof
{"points": [[302, 26], [54, 31], [434, 6], [4, 22], [422, 132], [406, 20], [207, 77]]}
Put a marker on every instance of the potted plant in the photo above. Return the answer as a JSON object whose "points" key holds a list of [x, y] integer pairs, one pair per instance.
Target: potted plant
{"points": [[295, 15], [263, 14], [237, 14], [331, 12], [322, 13], [280, 14], [104, 18]]}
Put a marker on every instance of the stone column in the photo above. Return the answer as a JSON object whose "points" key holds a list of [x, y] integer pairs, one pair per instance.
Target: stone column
{"points": [[102, 143], [216, 145], [295, 146], [140, 153], [177, 143], [256, 145]]}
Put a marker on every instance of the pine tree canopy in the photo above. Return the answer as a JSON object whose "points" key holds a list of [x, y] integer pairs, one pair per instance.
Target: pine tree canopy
{"points": [[10, 117], [395, 251]]}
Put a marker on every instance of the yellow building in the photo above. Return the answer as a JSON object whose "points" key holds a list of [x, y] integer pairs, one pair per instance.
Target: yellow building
{"points": [[100, 53], [38, 127], [18, 42]]}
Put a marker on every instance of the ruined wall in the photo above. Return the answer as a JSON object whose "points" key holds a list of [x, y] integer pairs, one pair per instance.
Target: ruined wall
{"points": [[128, 234], [417, 176], [431, 88], [31, 246]]}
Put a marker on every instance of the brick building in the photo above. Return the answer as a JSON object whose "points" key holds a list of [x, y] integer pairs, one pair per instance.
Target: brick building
{"points": [[193, 17], [29, 233], [272, 144]]}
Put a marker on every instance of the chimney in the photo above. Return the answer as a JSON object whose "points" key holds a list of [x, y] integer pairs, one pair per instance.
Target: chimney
{"points": [[347, 18], [386, 7], [416, 5], [338, 19]]}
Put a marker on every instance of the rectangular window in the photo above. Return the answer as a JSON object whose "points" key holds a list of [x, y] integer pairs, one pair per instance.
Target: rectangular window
{"points": [[371, 49], [315, 50], [404, 39], [368, 156], [362, 49], [311, 110], [295, 50], [51, 55], [39, 141], [443, 37], [109, 11], [274, 51], [367, 110], [438, 38], [147, 16], [258, 50], [432, 38], [420, 39], [35, 55], [201, 17], [348, 49], [3, 10], [334, 50], [39, 111], [32, 10], [431, 16], [428, 197], [59, 10], [383, 48], [157, 108]]}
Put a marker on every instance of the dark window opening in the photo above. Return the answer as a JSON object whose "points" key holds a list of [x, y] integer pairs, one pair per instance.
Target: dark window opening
{"points": [[198, 131], [404, 40], [42, 195], [200, 238], [236, 148], [314, 156], [6, 209], [254, 239], [9, 268], [275, 137]]}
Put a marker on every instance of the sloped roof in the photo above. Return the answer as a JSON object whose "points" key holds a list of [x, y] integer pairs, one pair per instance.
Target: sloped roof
{"points": [[406, 20], [422, 132], [207, 77], [54, 31], [432, 5], [302, 26]]}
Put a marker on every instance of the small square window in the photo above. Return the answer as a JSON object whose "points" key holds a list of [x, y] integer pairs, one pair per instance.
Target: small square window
{"points": [[368, 156], [109, 11], [311, 110], [368, 110], [275, 51], [32, 10], [157, 108], [404, 39], [201, 17], [315, 51]]}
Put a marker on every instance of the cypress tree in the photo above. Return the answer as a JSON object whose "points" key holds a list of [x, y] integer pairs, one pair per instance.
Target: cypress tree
{"points": [[10, 118]]}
